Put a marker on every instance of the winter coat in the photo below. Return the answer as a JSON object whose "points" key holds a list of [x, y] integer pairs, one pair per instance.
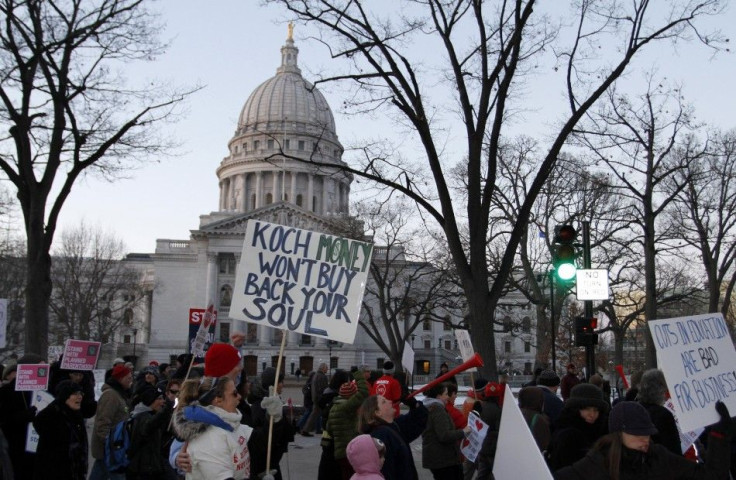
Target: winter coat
{"points": [[217, 442], [15, 415], [146, 440], [363, 456], [57, 375], [319, 383], [531, 400], [667, 435], [112, 408], [397, 436], [568, 381], [458, 419], [390, 388], [62, 443], [440, 440], [490, 413], [573, 437], [552, 404], [657, 464], [342, 423]]}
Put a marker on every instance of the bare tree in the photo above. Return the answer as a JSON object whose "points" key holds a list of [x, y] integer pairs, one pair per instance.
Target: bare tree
{"points": [[482, 50], [95, 293], [407, 285], [68, 110]]}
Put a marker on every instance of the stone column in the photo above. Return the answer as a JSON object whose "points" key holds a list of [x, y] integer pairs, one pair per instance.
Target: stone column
{"points": [[211, 293], [293, 339], [326, 208], [292, 194], [264, 335], [221, 184], [276, 194], [246, 194], [310, 192], [259, 193]]}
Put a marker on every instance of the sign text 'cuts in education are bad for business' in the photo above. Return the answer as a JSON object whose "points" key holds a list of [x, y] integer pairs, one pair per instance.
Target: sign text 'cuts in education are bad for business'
{"points": [[698, 359], [300, 280]]}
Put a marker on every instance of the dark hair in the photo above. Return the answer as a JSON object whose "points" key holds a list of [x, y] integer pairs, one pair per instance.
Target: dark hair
{"points": [[367, 413], [451, 388], [611, 447], [338, 378], [437, 390]]}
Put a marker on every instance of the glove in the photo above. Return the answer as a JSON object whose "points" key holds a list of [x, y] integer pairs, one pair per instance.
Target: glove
{"points": [[725, 425], [410, 402], [267, 475], [273, 405]]}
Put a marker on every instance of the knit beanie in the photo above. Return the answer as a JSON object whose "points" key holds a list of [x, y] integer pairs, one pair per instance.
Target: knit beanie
{"points": [[548, 378], [585, 395], [220, 359], [148, 394], [631, 418], [65, 389], [388, 367], [348, 389], [119, 372]]}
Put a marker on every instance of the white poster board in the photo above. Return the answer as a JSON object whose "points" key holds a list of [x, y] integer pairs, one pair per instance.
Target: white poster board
{"points": [[407, 359], [3, 322], [686, 438], [466, 347], [698, 360], [41, 399], [471, 445], [517, 453], [303, 281]]}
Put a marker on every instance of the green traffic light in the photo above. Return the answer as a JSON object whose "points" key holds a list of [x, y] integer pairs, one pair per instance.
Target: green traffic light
{"points": [[566, 271]]}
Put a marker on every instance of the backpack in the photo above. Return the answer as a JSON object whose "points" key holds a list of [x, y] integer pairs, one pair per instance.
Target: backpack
{"points": [[117, 446]]}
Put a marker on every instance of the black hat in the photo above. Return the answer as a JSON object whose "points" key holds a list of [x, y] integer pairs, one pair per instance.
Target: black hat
{"points": [[148, 394], [480, 384], [65, 389], [548, 378], [631, 418], [585, 395], [269, 376], [388, 366]]}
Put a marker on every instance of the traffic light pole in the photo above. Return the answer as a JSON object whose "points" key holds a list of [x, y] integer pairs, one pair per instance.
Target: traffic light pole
{"points": [[552, 318], [588, 304]]}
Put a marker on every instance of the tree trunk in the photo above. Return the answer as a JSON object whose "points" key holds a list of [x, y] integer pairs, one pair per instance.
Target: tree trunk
{"points": [[38, 293], [544, 338], [481, 326]]}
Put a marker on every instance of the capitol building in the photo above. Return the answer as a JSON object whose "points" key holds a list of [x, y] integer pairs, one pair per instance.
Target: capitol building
{"points": [[282, 166]]}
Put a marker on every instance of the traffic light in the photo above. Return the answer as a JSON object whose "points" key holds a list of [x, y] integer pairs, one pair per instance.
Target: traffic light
{"points": [[564, 252], [585, 331]]}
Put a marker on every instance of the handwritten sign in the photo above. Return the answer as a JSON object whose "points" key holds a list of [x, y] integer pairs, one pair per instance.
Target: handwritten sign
{"points": [[471, 445], [202, 323], [515, 437], [686, 438], [41, 399], [32, 377], [698, 360], [466, 346], [302, 281], [80, 355]]}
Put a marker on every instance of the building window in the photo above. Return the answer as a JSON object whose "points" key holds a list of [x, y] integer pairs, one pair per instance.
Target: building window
{"points": [[287, 144], [270, 143], [236, 149], [448, 344], [251, 333], [128, 316], [299, 199], [428, 344], [507, 347], [253, 201], [447, 325], [226, 295], [526, 325], [277, 335], [300, 145], [423, 367], [314, 203], [333, 362], [379, 363], [269, 199], [225, 332], [227, 264], [127, 339], [256, 144], [506, 324], [245, 147], [527, 347], [427, 325], [305, 340]]}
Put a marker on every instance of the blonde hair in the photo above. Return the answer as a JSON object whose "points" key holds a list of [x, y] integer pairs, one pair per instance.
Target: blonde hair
{"points": [[203, 392]]}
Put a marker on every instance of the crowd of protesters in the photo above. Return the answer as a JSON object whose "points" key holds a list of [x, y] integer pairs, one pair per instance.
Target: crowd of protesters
{"points": [[211, 422]]}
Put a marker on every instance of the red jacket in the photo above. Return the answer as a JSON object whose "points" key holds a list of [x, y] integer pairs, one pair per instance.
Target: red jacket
{"points": [[458, 419]]}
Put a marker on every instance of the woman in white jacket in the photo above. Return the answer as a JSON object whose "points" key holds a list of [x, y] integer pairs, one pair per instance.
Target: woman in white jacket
{"points": [[208, 420]]}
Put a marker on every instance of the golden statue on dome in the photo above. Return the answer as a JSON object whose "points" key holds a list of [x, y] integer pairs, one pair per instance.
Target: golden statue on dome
{"points": [[291, 31]]}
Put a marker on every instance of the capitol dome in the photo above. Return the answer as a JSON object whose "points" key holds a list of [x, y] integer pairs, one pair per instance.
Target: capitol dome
{"points": [[284, 146]]}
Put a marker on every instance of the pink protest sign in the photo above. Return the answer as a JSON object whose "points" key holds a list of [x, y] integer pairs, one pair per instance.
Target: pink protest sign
{"points": [[80, 355], [32, 376]]}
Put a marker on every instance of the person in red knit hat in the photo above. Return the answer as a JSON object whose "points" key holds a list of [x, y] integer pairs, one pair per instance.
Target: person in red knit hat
{"points": [[223, 360], [388, 386]]}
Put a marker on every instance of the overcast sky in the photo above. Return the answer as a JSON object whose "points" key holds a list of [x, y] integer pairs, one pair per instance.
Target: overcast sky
{"points": [[230, 47]]}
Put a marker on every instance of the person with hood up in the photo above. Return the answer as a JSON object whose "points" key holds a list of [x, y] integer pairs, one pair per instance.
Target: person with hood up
{"points": [[208, 421], [377, 418], [112, 408], [440, 439], [151, 416], [62, 437], [583, 421], [341, 424], [531, 402], [652, 395], [627, 452], [366, 455]]}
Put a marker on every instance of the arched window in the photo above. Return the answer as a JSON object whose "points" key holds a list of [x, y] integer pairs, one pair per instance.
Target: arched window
{"points": [[253, 201], [226, 296], [299, 199], [526, 325], [128, 316], [269, 199]]}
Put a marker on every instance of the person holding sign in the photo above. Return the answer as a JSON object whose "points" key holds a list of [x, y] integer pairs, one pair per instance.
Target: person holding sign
{"points": [[627, 452], [652, 395], [441, 440]]}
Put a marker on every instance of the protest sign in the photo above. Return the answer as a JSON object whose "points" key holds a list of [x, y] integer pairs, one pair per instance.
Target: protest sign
{"points": [[32, 377], [515, 440], [470, 446], [41, 399], [302, 281], [698, 360], [80, 355], [202, 325], [407, 359], [466, 346], [686, 438]]}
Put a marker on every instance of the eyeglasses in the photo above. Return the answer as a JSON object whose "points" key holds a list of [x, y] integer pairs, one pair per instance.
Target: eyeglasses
{"points": [[175, 392]]}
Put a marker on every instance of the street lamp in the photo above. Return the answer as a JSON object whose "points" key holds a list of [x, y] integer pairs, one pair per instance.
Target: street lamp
{"points": [[330, 343], [135, 342]]}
